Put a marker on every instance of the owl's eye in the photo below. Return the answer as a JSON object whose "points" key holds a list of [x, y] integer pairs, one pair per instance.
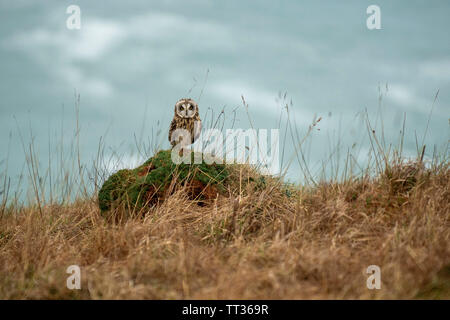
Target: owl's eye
{"points": [[182, 107], [191, 107]]}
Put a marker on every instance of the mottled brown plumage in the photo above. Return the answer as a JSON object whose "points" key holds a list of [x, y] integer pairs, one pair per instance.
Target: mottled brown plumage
{"points": [[186, 117]]}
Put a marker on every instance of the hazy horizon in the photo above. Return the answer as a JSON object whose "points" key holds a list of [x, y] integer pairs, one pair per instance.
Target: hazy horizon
{"points": [[131, 62]]}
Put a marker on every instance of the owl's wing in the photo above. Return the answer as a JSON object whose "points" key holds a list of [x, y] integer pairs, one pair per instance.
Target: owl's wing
{"points": [[173, 127]]}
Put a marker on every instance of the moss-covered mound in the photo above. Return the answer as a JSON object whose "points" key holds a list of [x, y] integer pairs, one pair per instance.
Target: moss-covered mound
{"points": [[149, 183]]}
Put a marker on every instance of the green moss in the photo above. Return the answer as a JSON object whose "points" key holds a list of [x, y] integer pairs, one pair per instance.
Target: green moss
{"points": [[114, 188], [134, 187]]}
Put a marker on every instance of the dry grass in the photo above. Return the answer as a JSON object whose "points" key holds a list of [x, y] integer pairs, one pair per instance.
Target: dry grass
{"points": [[262, 241]]}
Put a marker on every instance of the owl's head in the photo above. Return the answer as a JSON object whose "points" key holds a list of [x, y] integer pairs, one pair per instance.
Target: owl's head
{"points": [[186, 108]]}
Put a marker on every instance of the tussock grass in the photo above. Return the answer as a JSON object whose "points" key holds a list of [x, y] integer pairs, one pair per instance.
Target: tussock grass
{"points": [[262, 239]]}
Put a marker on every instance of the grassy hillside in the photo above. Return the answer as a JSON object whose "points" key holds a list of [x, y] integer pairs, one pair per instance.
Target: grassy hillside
{"points": [[261, 239]]}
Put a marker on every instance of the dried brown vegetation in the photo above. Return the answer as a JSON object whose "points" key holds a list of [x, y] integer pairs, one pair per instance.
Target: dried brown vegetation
{"points": [[260, 239], [264, 240]]}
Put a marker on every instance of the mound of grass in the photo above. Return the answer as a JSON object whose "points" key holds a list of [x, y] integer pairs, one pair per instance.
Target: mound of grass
{"points": [[263, 239], [150, 182]]}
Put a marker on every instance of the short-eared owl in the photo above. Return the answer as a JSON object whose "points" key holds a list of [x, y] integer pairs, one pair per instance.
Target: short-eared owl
{"points": [[186, 117]]}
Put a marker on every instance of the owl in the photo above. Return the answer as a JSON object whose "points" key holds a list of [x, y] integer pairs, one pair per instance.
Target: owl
{"points": [[186, 117]]}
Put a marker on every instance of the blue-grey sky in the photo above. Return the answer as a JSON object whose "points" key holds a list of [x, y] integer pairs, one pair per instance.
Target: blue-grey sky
{"points": [[132, 60]]}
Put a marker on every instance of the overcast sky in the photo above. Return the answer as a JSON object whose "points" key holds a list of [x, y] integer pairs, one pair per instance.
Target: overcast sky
{"points": [[132, 60]]}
